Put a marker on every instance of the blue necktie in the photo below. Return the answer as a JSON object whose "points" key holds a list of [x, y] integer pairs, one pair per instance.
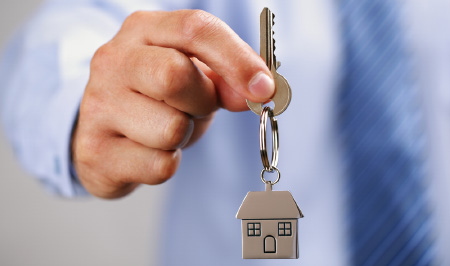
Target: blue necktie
{"points": [[380, 118]]}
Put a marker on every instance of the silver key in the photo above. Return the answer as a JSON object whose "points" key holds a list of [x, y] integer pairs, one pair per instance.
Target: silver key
{"points": [[283, 93]]}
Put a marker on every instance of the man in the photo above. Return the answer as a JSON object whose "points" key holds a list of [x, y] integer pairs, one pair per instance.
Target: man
{"points": [[154, 89]]}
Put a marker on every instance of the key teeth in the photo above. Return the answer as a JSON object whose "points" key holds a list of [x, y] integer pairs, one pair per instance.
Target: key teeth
{"points": [[278, 64], [273, 50]]}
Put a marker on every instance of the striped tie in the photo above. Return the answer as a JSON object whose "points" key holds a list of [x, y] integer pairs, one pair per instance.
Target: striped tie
{"points": [[390, 223]]}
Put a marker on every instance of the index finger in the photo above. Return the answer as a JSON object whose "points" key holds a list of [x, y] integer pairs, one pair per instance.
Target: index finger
{"points": [[200, 34]]}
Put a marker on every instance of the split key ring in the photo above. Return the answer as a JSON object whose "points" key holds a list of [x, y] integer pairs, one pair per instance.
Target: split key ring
{"points": [[268, 113]]}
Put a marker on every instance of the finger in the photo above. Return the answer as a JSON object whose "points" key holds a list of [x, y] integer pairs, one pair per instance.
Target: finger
{"points": [[204, 36], [113, 166], [163, 74], [226, 97], [170, 76], [135, 163], [150, 122]]}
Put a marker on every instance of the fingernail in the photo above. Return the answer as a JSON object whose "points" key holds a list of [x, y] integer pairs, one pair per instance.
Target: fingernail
{"points": [[188, 135], [261, 86]]}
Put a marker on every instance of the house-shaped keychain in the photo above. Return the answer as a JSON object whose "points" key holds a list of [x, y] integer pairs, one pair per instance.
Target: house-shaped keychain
{"points": [[269, 225]]}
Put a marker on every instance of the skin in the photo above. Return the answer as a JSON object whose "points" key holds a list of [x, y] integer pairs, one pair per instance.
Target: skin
{"points": [[153, 90]]}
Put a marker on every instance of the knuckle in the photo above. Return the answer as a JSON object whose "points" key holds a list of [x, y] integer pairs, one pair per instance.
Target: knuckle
{"points": [[89, 144], [87, 149], [166, 166], [197, 23], [174, 74], [103, 59], [93, 105], [134, 19], [178, 129], [109, 65]]}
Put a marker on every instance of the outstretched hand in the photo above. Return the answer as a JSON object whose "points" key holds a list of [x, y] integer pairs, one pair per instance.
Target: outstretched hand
{"points": [[153, 89]]}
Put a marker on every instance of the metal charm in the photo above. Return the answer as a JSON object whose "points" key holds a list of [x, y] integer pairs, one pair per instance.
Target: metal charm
{"points": [[269, 225]]}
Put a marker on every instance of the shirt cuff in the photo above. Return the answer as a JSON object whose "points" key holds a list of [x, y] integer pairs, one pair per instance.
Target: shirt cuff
{"points": [[63, 114]]}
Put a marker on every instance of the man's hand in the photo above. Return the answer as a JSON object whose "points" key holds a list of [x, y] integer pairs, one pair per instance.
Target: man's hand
{"points": [[153, 90]]}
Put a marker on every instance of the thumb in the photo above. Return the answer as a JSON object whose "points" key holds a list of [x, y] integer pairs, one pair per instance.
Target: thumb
{"points": [[261, 87]]}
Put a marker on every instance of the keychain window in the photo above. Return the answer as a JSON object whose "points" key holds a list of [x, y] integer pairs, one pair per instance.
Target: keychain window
{"points": [[254, 229], [284, 229]]}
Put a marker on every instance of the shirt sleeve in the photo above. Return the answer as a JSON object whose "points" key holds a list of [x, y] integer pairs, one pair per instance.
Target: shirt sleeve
{"points": [[43, 73]]}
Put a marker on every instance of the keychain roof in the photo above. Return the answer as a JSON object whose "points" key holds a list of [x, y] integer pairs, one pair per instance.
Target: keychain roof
{"points": [[269, 205]]}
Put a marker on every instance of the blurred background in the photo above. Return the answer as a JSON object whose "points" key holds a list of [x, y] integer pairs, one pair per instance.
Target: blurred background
{"points": [[37, 228]]}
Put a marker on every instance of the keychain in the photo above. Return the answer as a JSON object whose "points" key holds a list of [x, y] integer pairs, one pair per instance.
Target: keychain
{"points": [[270, 218]]}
